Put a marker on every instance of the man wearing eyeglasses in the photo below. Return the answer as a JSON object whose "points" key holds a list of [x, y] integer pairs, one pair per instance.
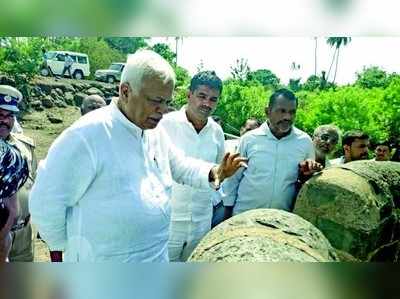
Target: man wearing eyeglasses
{"points": [[22, 247], [325, 139]]}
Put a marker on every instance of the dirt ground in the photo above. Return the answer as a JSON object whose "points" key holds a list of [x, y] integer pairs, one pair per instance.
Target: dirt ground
{"points": [[37, 126]]}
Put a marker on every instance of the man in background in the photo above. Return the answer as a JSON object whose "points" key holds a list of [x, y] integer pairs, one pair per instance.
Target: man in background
{"points": [[92, 102], [22, 246], [382, 151], [325, 139], [355, 147]]}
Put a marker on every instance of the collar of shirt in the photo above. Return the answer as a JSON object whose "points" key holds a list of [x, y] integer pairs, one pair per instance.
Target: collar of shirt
{"points": [[130, 126], [183, 118], [265, 130]]}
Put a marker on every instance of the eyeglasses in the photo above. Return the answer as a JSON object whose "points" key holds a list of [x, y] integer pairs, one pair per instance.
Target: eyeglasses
{"points": [[330, 138]]}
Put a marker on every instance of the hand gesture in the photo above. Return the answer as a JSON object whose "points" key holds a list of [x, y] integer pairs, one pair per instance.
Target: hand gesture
{"points": [[229, 165], [309, 167]]}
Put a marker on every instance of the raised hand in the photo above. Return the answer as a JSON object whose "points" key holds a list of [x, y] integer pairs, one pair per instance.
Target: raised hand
{"points": [[229, 165]]}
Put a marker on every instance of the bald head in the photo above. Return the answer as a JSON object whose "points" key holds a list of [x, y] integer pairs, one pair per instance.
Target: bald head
{"points": [[91, 103]]}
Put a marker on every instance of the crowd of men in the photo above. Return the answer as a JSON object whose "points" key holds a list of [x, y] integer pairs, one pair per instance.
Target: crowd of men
{"points": [[125, 183]]}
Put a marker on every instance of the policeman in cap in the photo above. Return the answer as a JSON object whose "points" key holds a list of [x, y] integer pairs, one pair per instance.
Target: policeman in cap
{"points": [[21, 232]]}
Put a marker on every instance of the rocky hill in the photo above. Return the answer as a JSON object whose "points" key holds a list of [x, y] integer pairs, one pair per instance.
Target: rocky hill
{"points": [[48, 92]]}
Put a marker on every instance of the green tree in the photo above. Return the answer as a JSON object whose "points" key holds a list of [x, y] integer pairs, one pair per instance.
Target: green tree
{"points": [[99, 52], [165, 51], [372, 77], [239, 102], [265, 77], [336, 42], [127, 45], [20, 59]]}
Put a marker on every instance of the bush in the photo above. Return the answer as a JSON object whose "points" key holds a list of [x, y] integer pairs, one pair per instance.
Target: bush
{"points": [[372, 77], [240, 102], [347, 107]]}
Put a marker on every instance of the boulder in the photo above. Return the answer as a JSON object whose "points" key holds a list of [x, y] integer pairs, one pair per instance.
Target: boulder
{"points": [[60, 104], [59, 92], [37, 105], [69, 98], [48, 86], [80, 86], [94, 90], [355, 206], [264, 235], [48, 102], [54, 119], [97, 85], [78, 98], [5, 80]]}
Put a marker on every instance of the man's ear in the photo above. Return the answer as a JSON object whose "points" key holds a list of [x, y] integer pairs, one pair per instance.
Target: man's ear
{"points": [[266, 111], [346, 148], [124, 90]]}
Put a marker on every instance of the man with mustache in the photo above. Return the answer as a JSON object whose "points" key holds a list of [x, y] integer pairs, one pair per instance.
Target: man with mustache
{"points": [[199, 136], [382, 151], [103, 191], [22, 249], [325, 138], [277, 154], [355, 147]]}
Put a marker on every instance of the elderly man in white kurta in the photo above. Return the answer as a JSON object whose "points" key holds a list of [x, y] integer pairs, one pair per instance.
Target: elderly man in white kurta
{"points": [[102, 194]]}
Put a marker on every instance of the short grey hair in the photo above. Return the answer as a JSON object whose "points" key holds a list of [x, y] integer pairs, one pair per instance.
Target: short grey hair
{"points": [[144, 64], [329, 127]]}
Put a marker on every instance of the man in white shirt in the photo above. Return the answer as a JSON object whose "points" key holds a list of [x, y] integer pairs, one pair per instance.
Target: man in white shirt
{"points": [[68, 62], [277, 152], [194, 132], [103, 192], [355, 145]]}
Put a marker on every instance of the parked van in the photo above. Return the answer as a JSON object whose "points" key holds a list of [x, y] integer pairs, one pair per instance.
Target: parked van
{"points": [[54, 64]]}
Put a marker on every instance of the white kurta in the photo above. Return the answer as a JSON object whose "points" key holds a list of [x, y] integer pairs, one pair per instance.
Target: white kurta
{"points": [[190, 203], [102, 194]]}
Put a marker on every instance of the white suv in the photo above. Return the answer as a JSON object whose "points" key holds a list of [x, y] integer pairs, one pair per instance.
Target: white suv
{"points": [[54, 64]]}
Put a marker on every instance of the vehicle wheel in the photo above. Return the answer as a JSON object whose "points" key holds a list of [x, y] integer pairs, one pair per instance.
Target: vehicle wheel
{"points": [[110, 79], [45, 72], [78, 75]]}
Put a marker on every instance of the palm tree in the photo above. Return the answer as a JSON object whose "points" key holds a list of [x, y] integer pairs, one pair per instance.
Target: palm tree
{"points": [[315, 55], [177, 39], [336, 42]]}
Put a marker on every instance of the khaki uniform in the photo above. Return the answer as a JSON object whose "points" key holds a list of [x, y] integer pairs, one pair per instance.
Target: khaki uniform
{"points": [[22, 249]]}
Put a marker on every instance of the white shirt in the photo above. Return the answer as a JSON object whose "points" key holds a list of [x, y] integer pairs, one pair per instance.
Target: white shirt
{"points": [[68, 61], [231, 145], [338, 161], [193, 204], [102, 194], [269, 180]]}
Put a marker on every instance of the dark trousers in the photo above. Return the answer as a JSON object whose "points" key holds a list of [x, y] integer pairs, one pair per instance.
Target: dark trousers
{"points": [[218, 214], [67, 68]]}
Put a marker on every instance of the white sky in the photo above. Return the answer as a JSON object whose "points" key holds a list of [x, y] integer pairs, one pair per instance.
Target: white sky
{"points": [[278, 53]]}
